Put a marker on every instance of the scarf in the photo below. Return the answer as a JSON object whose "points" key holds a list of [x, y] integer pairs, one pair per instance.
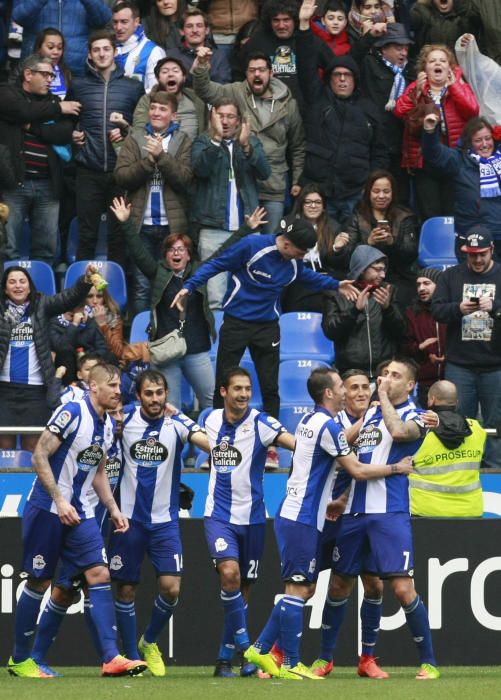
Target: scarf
{"points": [[357, 20], [17, 312], [132, 43], [490, 173], [438, 101], [174, 126], [398, 87], [58, 86]]}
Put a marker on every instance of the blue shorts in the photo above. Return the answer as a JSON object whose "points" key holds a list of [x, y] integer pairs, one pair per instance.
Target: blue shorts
{"points": [[299, 546], [243, 543], [387, 537], [46, 540], [162, 543], [327, 541]]}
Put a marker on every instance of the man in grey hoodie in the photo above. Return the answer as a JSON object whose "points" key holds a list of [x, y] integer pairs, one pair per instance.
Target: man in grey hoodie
{"points": [[366, 331]]}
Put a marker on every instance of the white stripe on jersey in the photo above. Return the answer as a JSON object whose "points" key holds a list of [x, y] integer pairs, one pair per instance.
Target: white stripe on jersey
{"points": [[319, 439], [149, 490], [238, 455]]}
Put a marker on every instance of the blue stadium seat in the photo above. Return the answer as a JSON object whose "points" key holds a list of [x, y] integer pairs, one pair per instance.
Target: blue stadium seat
{"points": [[301, 335], [72, 242], [290, 414], [436, 243], [40, 272], [292, 378], [112, 273], [139, 327], [15, 459]]}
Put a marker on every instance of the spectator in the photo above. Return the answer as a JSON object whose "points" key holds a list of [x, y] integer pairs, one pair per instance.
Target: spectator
{"points": [[467, 298], [196, 34], [79, 389], [273, 118], [227, 17], [341, 126], [239, 48], [385, 73], [367, 15], [439, 83], [365, 331], [103, 91], [328, 256], [261, 266], [75, 21], [488, 15], [474, 170], [27, 369], [50, 44], [191, 112], [439, 22], [32, 123], [227, 163], [331, 27], [154, 166], [136, 54], [380, 221], [425, 337], [162, 25], [167, 278]]}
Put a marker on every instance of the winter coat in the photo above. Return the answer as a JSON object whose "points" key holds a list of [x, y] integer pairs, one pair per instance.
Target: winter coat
{"points": [[134, 171], [99, 99], [141, 112], [487, 14], [17, 108], [430, 26], [459, 105], [281, 134], [227, 16], [43, 309], [71, 337], [75, 19], [464, 175], [343, 136]]}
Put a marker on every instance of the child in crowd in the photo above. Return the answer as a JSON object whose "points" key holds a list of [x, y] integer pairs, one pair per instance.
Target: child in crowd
{"points": [[330, 27]]}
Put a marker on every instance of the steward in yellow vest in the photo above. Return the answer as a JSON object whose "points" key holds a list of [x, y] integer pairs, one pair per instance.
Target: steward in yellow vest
{"points": [[446, 480]]}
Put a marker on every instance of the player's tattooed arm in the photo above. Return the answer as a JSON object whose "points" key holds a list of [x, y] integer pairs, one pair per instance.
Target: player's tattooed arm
{"points": [[286, 440], [46, 446], [400, 431], [102, 487]]}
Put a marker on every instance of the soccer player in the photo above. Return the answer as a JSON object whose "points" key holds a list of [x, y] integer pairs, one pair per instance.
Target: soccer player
{"points": [[235, 516], [357, 399], [59, 522], [300, 519], [378, 517], [149, 496]]}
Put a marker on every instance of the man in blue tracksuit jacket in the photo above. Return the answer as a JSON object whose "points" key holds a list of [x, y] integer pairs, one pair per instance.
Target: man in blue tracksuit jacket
{"points": [[260, 266]]}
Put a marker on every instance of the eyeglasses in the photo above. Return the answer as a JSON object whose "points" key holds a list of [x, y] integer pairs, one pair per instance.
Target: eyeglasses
{"points": [[179, 249], [313, 202], [380, 269], [47, 74], [257, 70]]}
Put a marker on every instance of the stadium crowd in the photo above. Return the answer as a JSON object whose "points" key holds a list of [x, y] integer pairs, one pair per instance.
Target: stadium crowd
{"points": [[249, 158]]}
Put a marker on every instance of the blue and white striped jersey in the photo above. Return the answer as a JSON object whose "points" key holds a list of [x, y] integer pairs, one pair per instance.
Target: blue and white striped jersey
{"points": [[343, 479], [113, 469], [375, 445], [319, 439], [74, 392], [85, 440], [22, 365], [149, 489], [238, 456]]}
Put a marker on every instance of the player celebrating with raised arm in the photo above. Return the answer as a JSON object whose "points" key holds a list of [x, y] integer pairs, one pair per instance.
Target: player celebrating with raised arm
{"points": [[321, 447], [59, 522], [149, 496], [235, 515]]}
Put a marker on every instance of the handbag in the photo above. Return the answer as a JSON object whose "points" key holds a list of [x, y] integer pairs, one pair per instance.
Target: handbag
{"points": [[171, 346]]}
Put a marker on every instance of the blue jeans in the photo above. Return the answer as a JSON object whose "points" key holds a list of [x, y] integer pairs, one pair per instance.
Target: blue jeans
{"points": [[274, 213], [482, 388], [198, 372], [152, 238], [33, 200], [210, 239]]}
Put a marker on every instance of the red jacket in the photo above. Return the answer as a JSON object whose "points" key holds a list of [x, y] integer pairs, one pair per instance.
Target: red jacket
{"points": [[420, 326], [459, 105], [339, 45]]}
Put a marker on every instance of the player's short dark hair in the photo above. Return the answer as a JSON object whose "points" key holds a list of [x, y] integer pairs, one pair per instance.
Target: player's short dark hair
{"points": [[126, 5], [89, 356], [99, 34], [259, 56], [411, 365], [233, 372], [334, 6], [320, 380], [150, 375], [103, 369], [354, 373]]}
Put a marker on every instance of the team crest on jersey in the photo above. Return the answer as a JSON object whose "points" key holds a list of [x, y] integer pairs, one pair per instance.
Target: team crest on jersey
{"points": [[225, 457], [369, 438], [220, 544], [39, 562], [90, 457], [149, 452], [116, 563], [62, 420]]}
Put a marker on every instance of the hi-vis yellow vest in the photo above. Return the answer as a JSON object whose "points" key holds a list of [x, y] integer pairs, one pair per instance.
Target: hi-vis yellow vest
{"points": [[446, 483]]}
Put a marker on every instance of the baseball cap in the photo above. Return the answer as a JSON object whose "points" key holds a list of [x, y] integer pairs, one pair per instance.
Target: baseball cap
{"points": [[478, 239], [299, 232]]}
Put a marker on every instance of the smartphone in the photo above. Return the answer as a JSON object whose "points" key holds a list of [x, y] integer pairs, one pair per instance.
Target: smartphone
{"points": [[383, 223], [475, 300]]}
